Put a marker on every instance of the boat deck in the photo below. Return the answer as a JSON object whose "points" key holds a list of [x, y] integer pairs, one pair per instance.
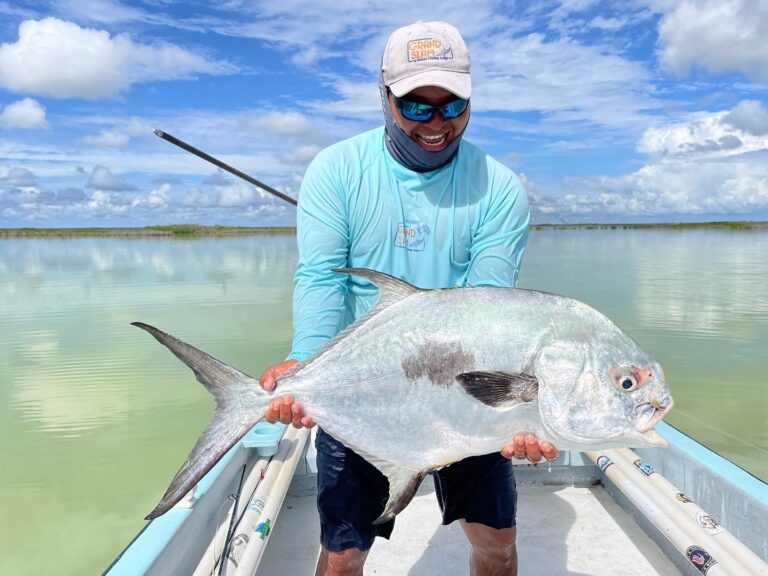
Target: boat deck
{"points": [[562, 531]]}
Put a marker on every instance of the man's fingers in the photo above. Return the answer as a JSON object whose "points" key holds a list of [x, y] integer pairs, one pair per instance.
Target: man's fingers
{"points": [[267, 382], [273, 412], [548, 450], [532, 448], [527, 447], [286, 414], [297, 413], [519, 446], [269, 376], [307, 422]]}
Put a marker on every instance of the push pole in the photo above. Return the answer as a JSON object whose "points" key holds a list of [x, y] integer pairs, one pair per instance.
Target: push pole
{"points": [[216, 162]]}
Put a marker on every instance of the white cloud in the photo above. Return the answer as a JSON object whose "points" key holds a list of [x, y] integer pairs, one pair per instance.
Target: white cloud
{"points": [[310, 27], [156, 198], [240, 194], [100, 201], [300, 155], [57, 58], [101, 11], [750, 116], [218, 178], [607, 23], [703, 165], [228, 194], [357, 99], [703, 133], [571, 81], [198, 198], [282, 123], [108, 139], [16, 176], [136, 126], [718, 35], [102, 179], [670, 189], [25, 113]]}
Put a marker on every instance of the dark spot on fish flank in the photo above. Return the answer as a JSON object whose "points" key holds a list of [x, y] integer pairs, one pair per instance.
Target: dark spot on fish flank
{"points": [[439, 362]]}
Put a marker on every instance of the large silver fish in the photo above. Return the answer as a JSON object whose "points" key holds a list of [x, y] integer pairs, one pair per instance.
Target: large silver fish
{"points": [[429, 377]]}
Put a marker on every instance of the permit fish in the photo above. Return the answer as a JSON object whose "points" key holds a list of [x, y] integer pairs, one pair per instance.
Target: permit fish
{"points": [[428, 377]]}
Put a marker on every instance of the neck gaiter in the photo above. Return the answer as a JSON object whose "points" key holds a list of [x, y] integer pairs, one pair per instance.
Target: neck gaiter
{"points": [[406, 150]]}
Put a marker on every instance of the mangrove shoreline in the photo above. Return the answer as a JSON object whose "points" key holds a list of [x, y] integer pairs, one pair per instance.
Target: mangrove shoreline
{"points": [[192, 230]]}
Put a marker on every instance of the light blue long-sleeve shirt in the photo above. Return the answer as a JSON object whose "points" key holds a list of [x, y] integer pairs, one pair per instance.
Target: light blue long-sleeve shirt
{"points": [[464, 224]]}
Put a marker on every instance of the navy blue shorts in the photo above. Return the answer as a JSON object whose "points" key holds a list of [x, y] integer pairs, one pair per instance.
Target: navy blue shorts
{"points": [[351, 494]]}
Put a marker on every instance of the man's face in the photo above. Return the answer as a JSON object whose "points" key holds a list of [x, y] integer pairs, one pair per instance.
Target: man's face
{"points": [[437, 132]]}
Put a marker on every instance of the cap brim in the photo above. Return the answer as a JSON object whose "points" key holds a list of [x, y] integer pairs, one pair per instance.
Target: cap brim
{"points": [[457, 83]]}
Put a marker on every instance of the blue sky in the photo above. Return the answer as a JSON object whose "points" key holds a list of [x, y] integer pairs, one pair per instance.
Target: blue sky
{"points": [[623, 111]]}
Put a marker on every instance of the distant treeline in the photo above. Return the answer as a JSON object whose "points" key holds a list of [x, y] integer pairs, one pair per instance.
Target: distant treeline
{"points": [[187, 230], [160, 230], [738, 225]]}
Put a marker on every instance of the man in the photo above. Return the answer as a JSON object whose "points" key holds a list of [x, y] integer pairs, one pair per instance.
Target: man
{"points": [[414, 200]]}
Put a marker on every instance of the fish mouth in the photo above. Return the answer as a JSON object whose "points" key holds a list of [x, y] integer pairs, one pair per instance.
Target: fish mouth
{"points": [[648, 414]]}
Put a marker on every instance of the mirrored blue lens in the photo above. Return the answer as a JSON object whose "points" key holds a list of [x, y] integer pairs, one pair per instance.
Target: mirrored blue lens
{"points": [[421, 112]]}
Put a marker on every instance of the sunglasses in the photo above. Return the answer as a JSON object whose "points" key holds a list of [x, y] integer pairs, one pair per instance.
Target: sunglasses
{"points": [[421, 112]]}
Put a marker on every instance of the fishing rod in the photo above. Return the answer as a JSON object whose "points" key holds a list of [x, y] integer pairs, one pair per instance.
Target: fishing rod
{"points": [[231, 530], [216, 162]]}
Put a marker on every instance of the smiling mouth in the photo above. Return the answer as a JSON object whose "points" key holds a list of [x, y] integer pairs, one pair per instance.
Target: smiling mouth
{"points": [[650, 413], [437, 141]]}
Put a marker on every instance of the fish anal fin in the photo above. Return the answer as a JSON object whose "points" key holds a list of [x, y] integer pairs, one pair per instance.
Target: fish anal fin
{"points": [[403, 484], [497, 388]]}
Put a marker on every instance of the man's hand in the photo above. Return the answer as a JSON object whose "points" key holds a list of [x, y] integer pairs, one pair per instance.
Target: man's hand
{"points": [[283, 409], [527, 446]]}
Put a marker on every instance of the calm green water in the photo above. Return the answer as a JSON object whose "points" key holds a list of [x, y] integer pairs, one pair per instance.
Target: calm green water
{"points": [[95, 416]]}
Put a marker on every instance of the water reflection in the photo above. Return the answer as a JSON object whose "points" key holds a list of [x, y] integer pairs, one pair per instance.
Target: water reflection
{"points": [[68, 303], [705, 284], [109, 259]]}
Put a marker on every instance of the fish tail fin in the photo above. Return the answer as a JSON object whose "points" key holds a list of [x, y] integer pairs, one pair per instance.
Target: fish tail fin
{"points": [[240, 403]]}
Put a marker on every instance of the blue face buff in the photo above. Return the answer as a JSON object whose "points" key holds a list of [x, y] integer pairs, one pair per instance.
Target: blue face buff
{"points": [[406, 150]]}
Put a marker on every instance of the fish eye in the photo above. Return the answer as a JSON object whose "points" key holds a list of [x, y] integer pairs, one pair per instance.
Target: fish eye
{"points": [[623, 379]]}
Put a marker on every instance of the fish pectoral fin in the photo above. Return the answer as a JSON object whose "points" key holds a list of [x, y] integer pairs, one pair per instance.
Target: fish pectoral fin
{"points": [[403, 483], [496, 388]]}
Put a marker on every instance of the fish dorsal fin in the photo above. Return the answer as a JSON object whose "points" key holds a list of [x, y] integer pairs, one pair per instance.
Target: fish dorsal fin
{"points": [[391, 289], [496, 388]]}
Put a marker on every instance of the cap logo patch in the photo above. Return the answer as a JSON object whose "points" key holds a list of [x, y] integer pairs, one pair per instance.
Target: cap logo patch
{"points": [[429, 49]]}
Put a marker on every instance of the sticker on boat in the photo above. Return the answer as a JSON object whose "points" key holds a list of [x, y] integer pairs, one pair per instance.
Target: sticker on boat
{"points": [[700, 558]]}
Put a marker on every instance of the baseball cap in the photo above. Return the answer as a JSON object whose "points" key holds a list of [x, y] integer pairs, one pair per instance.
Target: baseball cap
{"points": [[426, 54]]}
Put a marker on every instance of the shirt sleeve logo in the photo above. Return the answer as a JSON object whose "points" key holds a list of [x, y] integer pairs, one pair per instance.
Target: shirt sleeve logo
{"points": [[412, 235]]}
